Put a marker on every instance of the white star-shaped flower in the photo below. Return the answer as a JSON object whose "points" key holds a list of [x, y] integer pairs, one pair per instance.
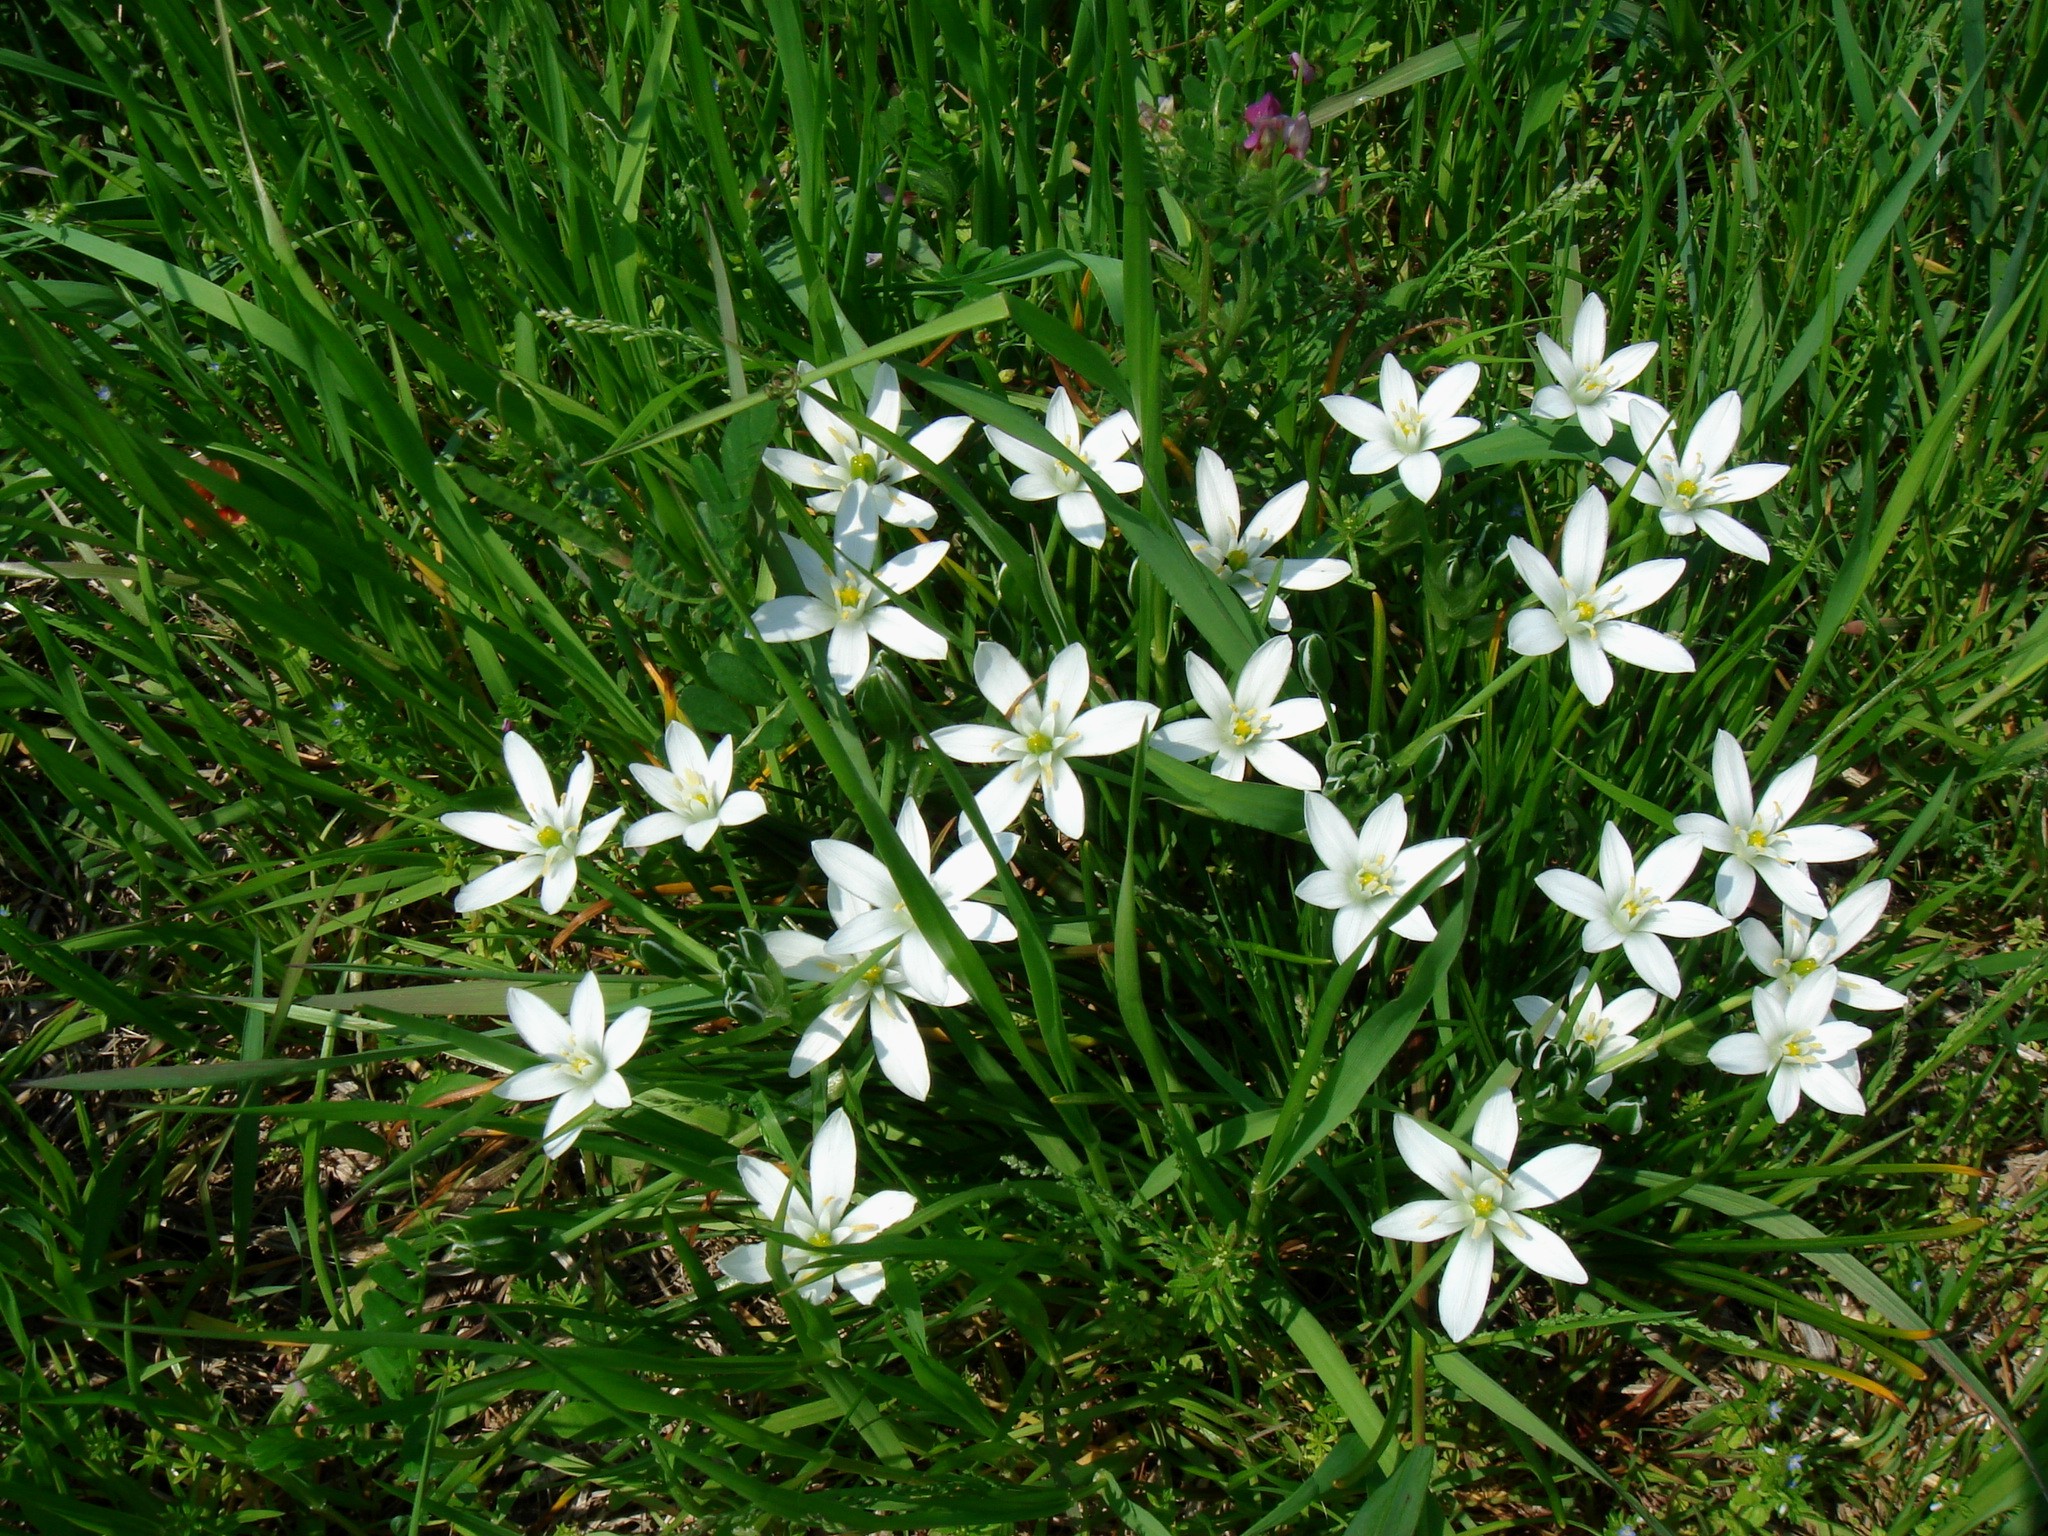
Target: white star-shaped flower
{"points": [[879, 991], [1634, 908], [694, 792], [1247, 724], [828, 1219], [852, 606], [1241, 558], [1403, 432], [1606, 1029], [1588, 380], [1811, 948], [1756, 840], [1690, 489], [1584, 613], [1805, 1051], [1484, 1201], [970, 867], [1041, 734], [582, 1057], [1368, 870], [548, 843], [1046, 478], [857, 460]]}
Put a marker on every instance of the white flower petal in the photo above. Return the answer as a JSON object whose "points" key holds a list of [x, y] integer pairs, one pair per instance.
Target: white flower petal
{"points": [[1539, 1248], [1652, 961], [1574, 892], [1493, 1132], [1644, 647], [1552, 1174], [899, 1048], [782, 620], [832, 1165], [1283, 765], [1081, 513], [1584, 545], [500, 884], [1638, 586], [1831, 1088], [1467, 1277], [1433, 1161], [1534, 632], [1421, 1221], [1449, 391], [539, 1082], [1745, 1055], [1111, 728], [746, 1265], [1422, 473], [1591, 673], [493, 831], [1265, 672]]}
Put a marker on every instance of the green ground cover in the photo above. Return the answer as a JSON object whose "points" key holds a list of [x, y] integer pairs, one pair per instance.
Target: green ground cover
{"points": [[374, 383]]}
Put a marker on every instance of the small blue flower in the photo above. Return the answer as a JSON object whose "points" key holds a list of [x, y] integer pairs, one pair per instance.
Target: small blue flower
{"points": [[1776, 1410], [103, 392], [1795, 1461]]}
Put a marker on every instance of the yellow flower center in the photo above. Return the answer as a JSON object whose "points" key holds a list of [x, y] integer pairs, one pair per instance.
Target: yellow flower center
{"points": [[1805, 967], [1758, 838], [1245, 727], [579, 1063], [820, 1239], [1795, 1050], [548, 837], [1237, 559], [848, 593], [1584, 611], [1483, 1206], [1372, 881], [1038, 743], [1688, 487], [873, 974], [862, 466]]}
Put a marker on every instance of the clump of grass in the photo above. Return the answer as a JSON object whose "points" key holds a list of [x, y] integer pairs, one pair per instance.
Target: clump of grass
{"points": [[478, 326]]}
